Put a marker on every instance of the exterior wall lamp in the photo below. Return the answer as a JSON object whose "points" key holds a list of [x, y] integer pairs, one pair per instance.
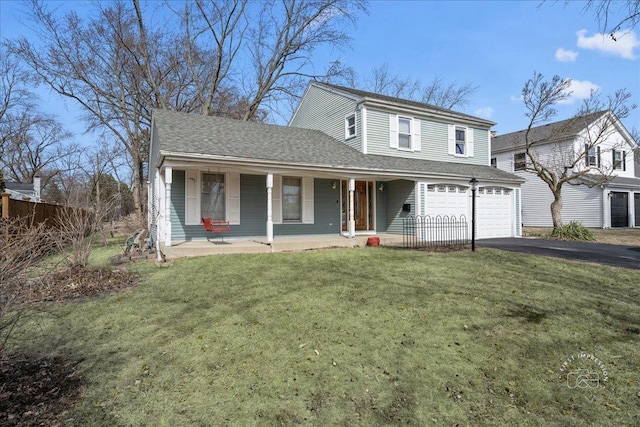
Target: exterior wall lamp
{"points": [[334, 185], [381, 187], [473, 183]]}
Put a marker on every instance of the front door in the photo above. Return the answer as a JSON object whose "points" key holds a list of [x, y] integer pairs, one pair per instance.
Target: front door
{"points": [[362, 205], [619, 209]]}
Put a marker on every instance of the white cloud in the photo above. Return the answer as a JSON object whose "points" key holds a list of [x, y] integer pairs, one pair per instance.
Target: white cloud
{"points": [[624, 45], [563, 55], [580, 89], [514, 98], [484, 112]]}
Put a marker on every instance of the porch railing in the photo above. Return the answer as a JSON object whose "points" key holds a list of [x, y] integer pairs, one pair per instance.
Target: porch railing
{"points": [[419, 231]]}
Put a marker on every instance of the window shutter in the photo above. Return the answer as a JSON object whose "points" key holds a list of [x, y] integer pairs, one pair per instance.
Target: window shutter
{"points": [[276, 200], [307, 201], [624, 160], [470, 143], [393, 131], [599, 161], [192, 190], [613, 159], [233, 197], [452, 139], [586, 155], [417, 131]]}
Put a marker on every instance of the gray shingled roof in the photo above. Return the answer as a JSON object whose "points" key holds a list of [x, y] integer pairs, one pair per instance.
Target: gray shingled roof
{"points": [[182, 133], [557, 131], [364, 95], [625, 182]]}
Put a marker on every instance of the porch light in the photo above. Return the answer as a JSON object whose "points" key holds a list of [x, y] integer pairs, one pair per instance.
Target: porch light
{"points": [[381, 187], [473, 183], [334, 185]]}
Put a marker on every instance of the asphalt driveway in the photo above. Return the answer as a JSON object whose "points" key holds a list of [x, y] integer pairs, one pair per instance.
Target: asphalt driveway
{"points": [[615, 255]]}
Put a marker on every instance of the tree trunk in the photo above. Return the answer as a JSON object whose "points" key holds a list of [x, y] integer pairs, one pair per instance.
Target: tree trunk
{"points": [[556, 209]]}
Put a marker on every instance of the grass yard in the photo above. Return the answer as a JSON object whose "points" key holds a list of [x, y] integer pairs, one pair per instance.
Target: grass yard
{"points": [[613, 236], [372, 336]]}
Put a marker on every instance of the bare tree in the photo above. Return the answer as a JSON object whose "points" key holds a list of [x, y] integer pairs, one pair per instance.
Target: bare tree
{"points": [[559, 154], [615, 15]]}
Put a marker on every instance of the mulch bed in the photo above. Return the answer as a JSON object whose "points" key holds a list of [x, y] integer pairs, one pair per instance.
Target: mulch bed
{"points": [[38, 390]]}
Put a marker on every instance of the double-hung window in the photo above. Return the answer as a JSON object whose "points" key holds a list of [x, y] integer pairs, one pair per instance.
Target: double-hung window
{"points": [[619, 160], [404, 133], [461, 140], [291, 199], [350, 126], [592, 156], [212, 197], [519, 161]]}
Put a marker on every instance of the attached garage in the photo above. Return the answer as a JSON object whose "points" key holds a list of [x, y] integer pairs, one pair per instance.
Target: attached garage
{"points": [[494, 212], [619, 209], [495, 207]]}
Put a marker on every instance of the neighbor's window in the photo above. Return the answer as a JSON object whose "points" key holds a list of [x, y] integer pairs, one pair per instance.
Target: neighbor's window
{"points": [[212, 200], [461, 139], [519, 161], [592, 156], [291, 199], [494, 162], [618, 159], [404, 133], [350, 126]]}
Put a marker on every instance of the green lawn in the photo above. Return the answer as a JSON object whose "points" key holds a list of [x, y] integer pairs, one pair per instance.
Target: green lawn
{"points": [[368, 337]]}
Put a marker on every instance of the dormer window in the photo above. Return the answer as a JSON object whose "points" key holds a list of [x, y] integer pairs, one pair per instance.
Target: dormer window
{"points": [[350, 126]]}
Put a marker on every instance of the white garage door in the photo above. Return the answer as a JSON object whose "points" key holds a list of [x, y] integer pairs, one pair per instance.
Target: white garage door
{"points": [[450, 200], [494, 212]]}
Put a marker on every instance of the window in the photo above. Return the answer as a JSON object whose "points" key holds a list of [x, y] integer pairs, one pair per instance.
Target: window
{"points": [[212, 200], [494, 162], [619, 160], [519, 161], [592, 156], [291, 199], [404, 133], [460, 140], [350, 126]]}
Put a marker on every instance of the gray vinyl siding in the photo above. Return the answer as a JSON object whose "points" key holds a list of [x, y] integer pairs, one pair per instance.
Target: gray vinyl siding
{"points": [[398, 193], [580, 203], [325, 111], [253, 211], [326, 213], [434, 140]]}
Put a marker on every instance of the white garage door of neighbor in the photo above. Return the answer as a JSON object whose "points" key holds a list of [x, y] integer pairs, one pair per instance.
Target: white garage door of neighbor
{"points": [[494, 213]]}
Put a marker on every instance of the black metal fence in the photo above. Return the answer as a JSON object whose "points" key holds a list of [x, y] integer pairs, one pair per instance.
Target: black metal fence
{"points": [[421, 231]]}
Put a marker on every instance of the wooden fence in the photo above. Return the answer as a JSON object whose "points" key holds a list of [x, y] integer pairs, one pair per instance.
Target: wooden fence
{"points": [[34, 213]]}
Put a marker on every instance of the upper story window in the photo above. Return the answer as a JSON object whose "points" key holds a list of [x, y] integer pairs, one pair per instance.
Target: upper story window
{"points": [[592, 156], [461, 140], [494, 162], [404, 133], [619, 160], [519, 161], [350, 126]]}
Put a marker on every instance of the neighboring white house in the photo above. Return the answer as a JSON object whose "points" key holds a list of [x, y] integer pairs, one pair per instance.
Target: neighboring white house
{"points": [[21, 191], [613, 203]]}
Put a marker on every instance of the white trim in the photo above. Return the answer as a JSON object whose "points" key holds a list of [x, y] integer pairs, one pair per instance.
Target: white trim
{"points": [[363, 128], [269, 208], [277, 199], [346, 125], [307, 200]]}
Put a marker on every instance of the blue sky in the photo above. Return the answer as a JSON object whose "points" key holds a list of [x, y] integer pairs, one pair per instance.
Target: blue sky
{"points": [[496, 45]]}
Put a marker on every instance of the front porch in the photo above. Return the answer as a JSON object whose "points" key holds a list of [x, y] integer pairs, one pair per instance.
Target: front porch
{"points": [[280, 244]]}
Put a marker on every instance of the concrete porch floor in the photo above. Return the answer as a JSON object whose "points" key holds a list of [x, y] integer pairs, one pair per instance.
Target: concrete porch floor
{"points": [[216, 246]]}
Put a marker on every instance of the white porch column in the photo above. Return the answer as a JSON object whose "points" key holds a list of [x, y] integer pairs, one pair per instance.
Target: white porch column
{"points": [[352, 221], [269, 208], [168, 179]]}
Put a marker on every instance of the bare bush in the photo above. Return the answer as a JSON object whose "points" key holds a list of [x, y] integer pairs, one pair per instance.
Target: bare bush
{"points": [[22, 245]]}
